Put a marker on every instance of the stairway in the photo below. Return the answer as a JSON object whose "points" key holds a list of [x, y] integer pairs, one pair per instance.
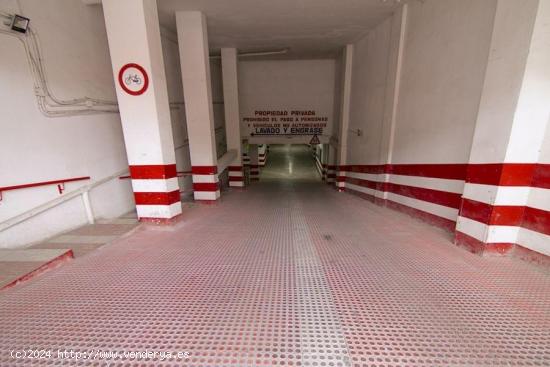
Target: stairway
{"points": [[20, 265]]}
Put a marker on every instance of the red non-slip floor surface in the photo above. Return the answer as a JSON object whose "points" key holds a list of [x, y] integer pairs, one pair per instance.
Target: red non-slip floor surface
{"points": [[285, 273]]}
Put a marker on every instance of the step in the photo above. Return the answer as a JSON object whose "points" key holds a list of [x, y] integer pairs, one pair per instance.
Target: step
{"points": [[17, 266], [90, 237]]}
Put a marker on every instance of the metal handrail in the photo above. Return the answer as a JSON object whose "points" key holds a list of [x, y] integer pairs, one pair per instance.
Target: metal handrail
{"points": [[178, 174], [43, 183], [60, 200]]}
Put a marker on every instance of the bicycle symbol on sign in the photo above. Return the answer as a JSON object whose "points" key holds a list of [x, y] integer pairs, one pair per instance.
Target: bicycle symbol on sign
{"points": [[132, 79]]}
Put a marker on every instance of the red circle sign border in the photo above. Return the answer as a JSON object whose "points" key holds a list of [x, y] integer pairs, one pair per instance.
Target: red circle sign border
{"points": [[145, 79]]}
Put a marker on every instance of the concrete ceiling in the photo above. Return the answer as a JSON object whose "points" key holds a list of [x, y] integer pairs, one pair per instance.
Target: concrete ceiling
{"points": [[310, 28]]}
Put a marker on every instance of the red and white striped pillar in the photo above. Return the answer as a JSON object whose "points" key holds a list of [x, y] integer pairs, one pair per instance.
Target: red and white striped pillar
{"points": [[262, 154], [144, 108], [344, 117], [254, 166], [232, 116], [195, 74], [246, 159], [503, 202]]}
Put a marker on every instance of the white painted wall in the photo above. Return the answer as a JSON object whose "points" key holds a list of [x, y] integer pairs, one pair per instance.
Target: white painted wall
{"points": [[177, 108], [538, 198], [368, 89], [504, 76], [417, 79], [472, 87], [338, 73], [445, 52], [36, 148], [287, 85], [445, 55], [530, 133]]}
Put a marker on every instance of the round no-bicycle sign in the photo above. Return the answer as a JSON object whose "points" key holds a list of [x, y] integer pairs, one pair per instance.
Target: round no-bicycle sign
{"points": [[133, 79]]}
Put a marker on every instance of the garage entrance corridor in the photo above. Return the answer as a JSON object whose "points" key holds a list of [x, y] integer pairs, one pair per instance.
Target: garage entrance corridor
{"points": [[289, 272], [290, 163]]}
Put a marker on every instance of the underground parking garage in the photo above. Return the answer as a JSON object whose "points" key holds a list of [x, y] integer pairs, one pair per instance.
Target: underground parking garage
{"points": [[205, 183]]}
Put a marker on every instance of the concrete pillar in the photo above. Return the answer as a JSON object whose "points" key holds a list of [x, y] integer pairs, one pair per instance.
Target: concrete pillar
{"points": [[232, 115], [246, 157], [391, 98], [331, 165], [254, 166], [344, 118], [138, 68], [195, 74], [512, 119], [324, 160]]}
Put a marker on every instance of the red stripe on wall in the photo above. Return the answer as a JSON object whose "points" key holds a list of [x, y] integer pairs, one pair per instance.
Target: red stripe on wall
{"points": [[476, 210], [536, 220], [372, 169], [425, 216], [365, 183], [501, 174], [236, 178], [498, 174], [204, 170], [445, 171], [151, 171], [476, 246], [449, 199], [205, 186], [531, 218], [507, 215], [157, 198], [235, 168], [362, 195], [500, 215], [445, 198], [541, 176]]}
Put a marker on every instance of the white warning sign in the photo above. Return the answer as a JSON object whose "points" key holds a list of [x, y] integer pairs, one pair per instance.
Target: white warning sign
{"points": [[315, 140]]}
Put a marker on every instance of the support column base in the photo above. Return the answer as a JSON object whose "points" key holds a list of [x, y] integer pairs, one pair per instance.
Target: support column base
{"points": [[207, 202], [206, 195], [481, 248], [161, 221], [501, 249]]}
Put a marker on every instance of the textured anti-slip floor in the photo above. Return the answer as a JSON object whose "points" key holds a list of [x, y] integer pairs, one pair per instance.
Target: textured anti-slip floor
{"points": [[285, 273]]}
